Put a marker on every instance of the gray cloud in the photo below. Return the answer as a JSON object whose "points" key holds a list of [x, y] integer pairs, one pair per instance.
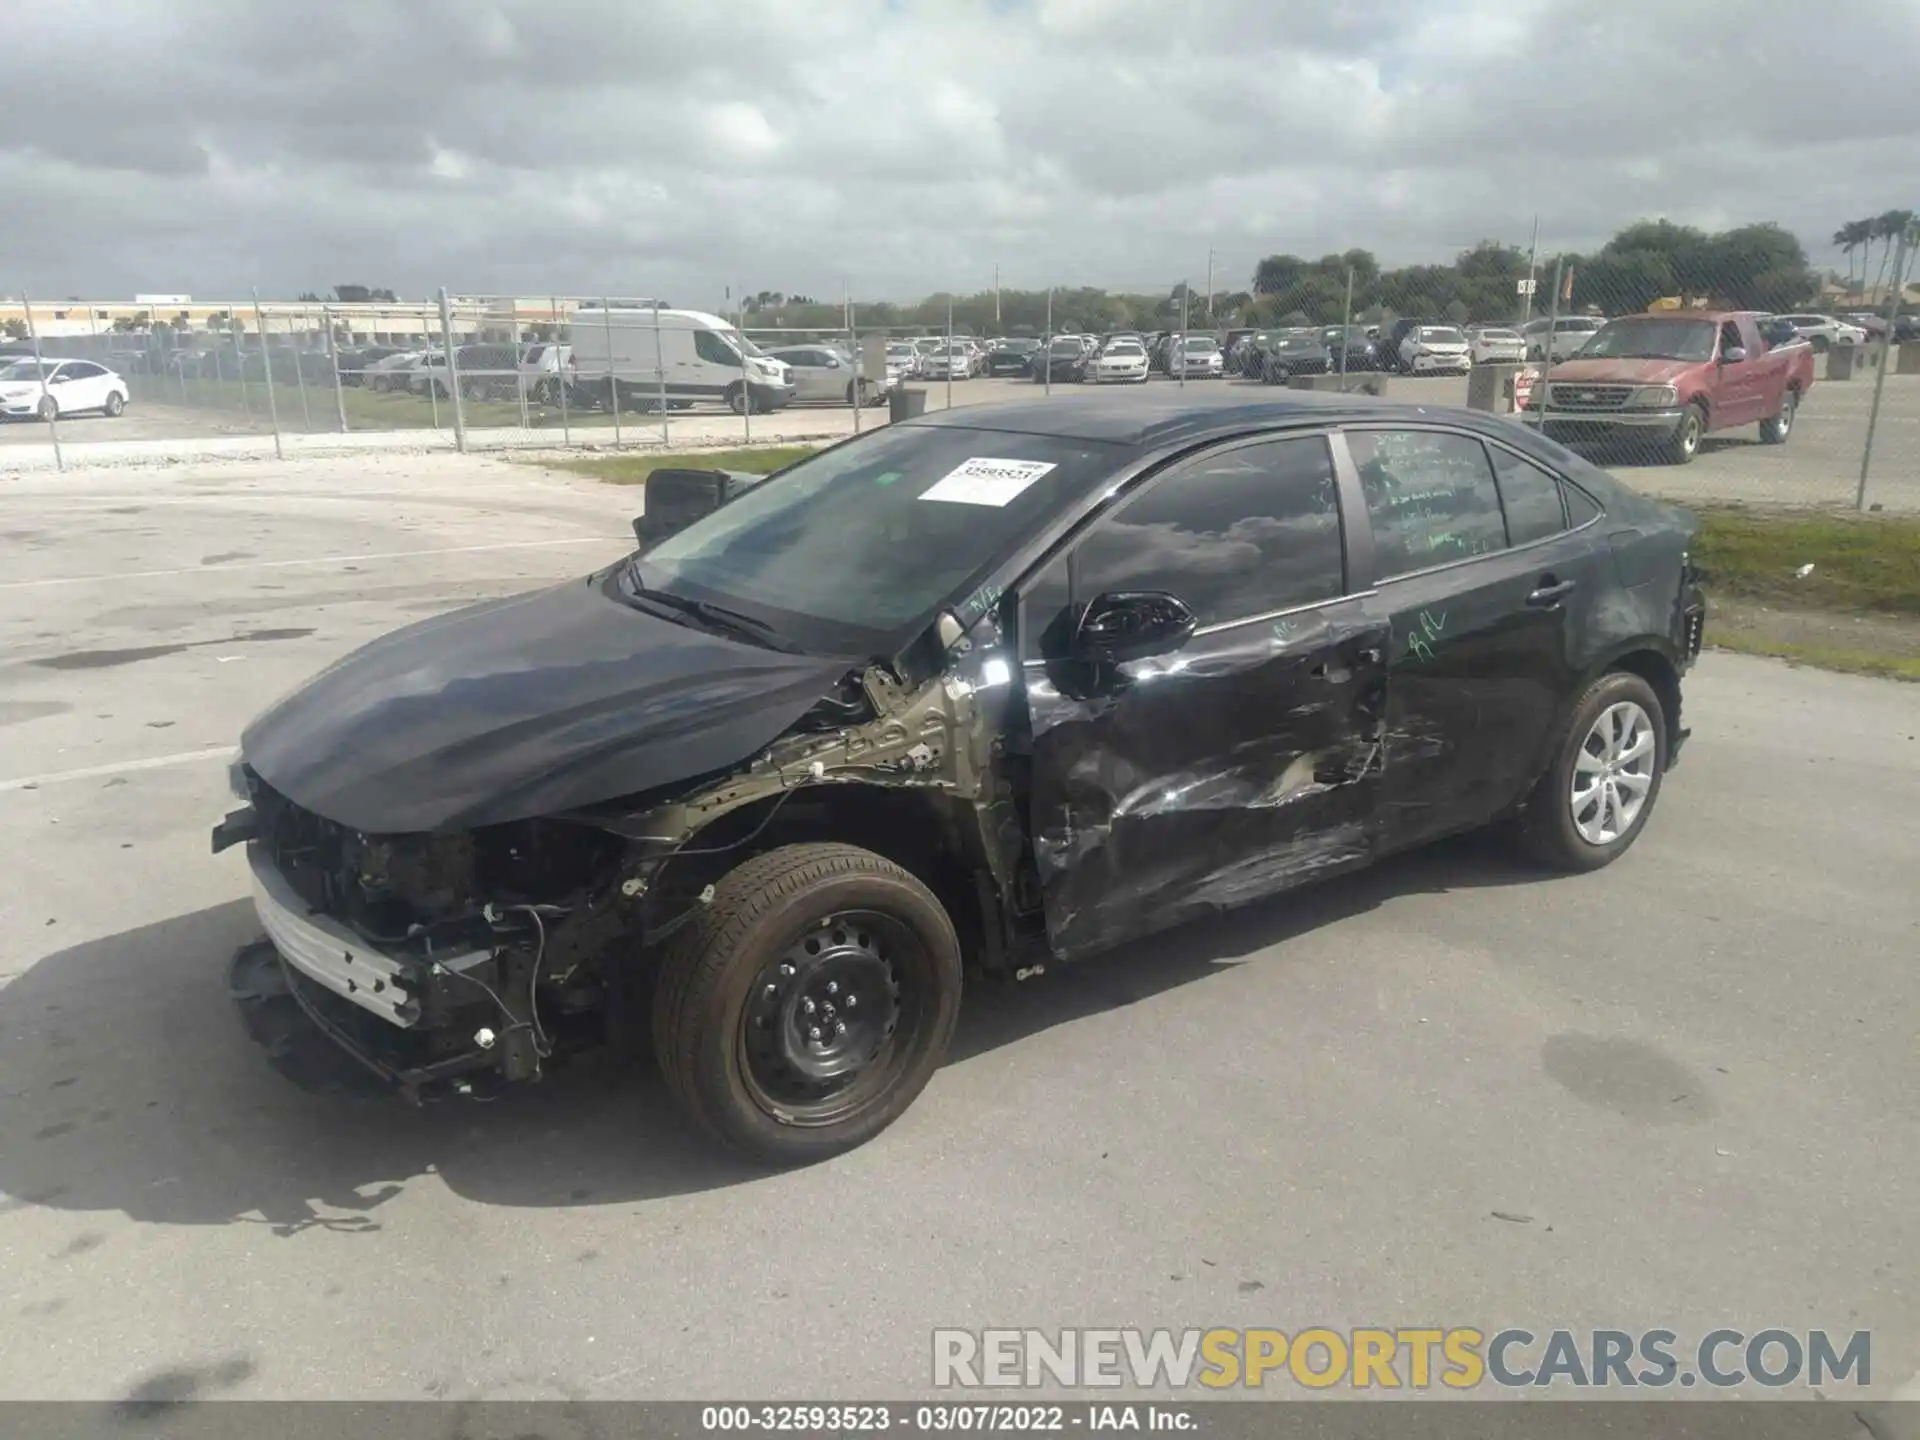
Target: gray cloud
{"points": [[907, 146]]}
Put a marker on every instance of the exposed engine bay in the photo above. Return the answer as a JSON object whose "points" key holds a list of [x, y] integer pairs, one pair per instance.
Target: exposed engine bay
{"points": [[491, 953]]}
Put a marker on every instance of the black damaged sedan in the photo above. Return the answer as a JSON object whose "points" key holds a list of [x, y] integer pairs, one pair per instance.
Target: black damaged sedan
{"points": [[995, 688]]}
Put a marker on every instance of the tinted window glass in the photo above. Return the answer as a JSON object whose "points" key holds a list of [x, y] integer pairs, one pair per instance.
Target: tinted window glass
{"points": [[1237, 534], [1431, 498], [84, 370], [1580, 506], [1530, 496], [715, 351]]}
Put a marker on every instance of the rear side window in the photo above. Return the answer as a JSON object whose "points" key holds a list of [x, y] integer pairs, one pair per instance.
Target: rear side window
{"points": [[1430, 496], [1235, 534], [1530, 496], [1581, 506]]}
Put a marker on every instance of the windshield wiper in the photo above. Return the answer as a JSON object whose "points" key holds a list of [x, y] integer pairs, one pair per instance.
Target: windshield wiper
{"points": [[717, 616]]}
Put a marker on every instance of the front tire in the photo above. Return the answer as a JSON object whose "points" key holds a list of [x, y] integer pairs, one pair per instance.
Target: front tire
{"points": [[802, 1010], [1595, 798], [49, 410], [737, 398], [116, 402], [1687, 435], [1776, 430]]}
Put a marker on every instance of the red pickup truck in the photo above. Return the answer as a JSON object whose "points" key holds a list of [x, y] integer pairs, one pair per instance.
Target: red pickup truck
{"points": [[1666, 380]]}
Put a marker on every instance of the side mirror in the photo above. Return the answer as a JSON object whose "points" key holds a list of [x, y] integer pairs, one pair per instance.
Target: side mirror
{"points": [[675, 498], [1131, 625], [1733, 355]]}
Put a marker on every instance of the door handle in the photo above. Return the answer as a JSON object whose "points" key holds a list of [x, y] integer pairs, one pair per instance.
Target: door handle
{"points": [[1550, 592]]}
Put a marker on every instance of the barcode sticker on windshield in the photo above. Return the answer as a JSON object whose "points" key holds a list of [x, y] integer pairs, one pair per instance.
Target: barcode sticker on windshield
{"points": [[982, 481]]}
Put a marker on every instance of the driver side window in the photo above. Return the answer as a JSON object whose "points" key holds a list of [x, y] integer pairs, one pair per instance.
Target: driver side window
{"points": [[1730, 338], [1235, 534], [715, 351]]}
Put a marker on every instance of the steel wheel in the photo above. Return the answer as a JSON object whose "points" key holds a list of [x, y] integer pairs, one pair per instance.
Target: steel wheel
{"points": [[822, 1030], [1613, 773]]}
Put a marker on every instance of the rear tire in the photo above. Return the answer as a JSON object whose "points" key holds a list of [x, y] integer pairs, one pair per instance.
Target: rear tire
{"points": [[1776, 430], [736, 398], [49, 410], [1559, 832], [733, 985]]}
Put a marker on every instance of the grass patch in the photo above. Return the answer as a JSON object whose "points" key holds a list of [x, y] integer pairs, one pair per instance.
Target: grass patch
{"points": [[1862, 564], [632, 469], [1887, 666]]}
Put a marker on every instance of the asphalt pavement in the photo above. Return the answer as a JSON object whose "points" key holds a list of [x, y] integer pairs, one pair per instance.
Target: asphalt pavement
{"points": [[1677, 1093]]}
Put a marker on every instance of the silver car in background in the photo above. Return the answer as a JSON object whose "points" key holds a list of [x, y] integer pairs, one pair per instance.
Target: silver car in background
{"points": [[826, 374]]}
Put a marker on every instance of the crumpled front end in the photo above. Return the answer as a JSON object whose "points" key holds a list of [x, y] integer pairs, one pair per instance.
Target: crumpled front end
{"points": [[433, 961]]}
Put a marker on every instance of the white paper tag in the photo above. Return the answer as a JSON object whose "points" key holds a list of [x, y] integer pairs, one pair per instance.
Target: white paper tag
{"points": [[982, 481]]}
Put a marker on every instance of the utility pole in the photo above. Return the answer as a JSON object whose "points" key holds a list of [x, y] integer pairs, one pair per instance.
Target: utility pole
{"points": [[1895, 295], [996, 297], [1209, 287], [1533, 255]]}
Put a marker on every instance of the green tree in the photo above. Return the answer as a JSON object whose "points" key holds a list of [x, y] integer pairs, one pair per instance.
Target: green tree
{"points": [[1278, 273], [15, 329]]}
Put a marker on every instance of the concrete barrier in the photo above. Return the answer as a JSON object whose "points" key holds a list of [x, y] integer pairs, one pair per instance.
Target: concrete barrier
{"points": [[1909, 361], [1363, 382], [1840, 362], [1490, 387]]}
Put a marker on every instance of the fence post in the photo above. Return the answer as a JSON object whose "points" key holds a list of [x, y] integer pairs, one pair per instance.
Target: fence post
{"points": [[1181, 352], [613, 380], [453, 373], [40, 367], [859, 370], [560, 370], [519, 370], [1886, 363], [1542, 390], [949, 355], [660, 370], [433, 388], [1346, 324], [746, 373], [240, 362], [300, 375], [1046, 347], [266, 370], [333, 358]]}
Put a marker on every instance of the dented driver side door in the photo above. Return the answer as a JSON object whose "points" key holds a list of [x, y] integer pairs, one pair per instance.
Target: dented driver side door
{"points": [[1243, 762]]}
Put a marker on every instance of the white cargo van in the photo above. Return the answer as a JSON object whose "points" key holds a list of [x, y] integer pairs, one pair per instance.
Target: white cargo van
{"points": [[628, 351]]}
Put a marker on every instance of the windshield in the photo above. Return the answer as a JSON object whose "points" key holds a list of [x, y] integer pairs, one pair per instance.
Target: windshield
{"points": [[1498, 335], [1201, 342], [741, 343], [1441, 335], [927, 346], [1646, 338], [1125, 347], [902, 351], [1299, 342], [24, 370], [846, 549]]}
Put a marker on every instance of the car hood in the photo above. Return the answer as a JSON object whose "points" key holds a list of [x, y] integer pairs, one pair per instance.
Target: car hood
{"points": [[526, 706], [1622, 371], [16, 389]]}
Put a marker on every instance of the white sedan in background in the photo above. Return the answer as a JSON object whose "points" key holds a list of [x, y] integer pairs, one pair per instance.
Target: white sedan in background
{"points": [[1823, 331], [954, 362], [1121, 360], [47, 388], [1435, 350], [1496, 344]]}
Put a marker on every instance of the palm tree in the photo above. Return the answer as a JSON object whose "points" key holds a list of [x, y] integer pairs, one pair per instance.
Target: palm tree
{"points": [[1852, 236], [1888, 226]]}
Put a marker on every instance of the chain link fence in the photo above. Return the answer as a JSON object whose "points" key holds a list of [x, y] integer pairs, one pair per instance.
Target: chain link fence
{"points": [[1814, 406]]}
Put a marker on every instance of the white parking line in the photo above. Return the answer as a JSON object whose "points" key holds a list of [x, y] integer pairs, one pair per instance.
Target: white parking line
{"points": [[124, 767], [320, 560]]}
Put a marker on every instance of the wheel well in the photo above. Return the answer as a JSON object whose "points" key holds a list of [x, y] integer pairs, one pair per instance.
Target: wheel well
{"points": [[1657, 670], [926, 833]]}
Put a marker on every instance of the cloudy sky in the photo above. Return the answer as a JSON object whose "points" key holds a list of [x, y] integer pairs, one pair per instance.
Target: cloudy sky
{"points": [[899, 147]]}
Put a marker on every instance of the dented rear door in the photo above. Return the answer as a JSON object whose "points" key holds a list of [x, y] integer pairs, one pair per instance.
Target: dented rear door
{"points": [[1238, 765]]}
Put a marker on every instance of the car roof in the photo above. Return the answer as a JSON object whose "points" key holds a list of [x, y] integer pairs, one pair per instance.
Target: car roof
{"points": [[1165, 416]]}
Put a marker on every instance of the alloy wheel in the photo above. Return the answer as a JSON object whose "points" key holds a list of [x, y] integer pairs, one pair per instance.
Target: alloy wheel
{"points": [[1614, 773]]}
